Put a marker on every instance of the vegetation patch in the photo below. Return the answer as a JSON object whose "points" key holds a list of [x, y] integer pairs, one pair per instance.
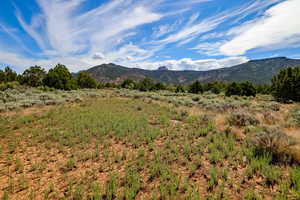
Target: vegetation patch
{"points": [[108, 144], [242, 119]]}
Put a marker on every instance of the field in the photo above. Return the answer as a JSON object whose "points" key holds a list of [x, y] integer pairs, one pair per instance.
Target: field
{"points": [[124, 144]]}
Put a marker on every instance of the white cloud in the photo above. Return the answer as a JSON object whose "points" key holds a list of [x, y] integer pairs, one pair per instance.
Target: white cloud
{"points": [[12, 59], [209, 48], [76, 64], [61, 30], [278, 28], [79, 38], [162, 30], [190, 64], [196, 27]]}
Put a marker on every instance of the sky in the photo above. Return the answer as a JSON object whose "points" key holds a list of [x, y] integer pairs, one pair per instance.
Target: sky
{"points": [[179, 34]]}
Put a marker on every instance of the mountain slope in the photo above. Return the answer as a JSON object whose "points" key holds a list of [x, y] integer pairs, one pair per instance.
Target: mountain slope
{"points": [[256, 71]]}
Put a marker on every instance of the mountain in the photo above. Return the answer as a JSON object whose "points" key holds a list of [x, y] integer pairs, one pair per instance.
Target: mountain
{"points": [[256, 71]]}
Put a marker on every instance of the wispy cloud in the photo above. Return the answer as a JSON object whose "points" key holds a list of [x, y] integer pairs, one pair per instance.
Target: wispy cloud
{"points": [[278, 28], [134, 33], [200, 65], [197, 26], [209, 48], [66, 32]]}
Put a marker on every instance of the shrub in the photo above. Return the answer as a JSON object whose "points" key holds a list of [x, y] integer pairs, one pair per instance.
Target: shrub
{"points": [[8, 75], [9, 85], [179, 89], [195, 99], [111, 186], [133, 184], [296, 116], [294, 176], [69, 165], [213, 180], [274, 107], [269, 117], [273, 142], [251, 195], [242, 119]]}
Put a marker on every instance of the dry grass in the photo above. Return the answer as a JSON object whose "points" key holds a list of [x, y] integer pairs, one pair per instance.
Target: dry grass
{"points": [[157, 146]]}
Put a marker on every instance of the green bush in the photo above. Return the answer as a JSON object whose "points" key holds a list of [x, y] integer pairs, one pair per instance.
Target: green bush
{"points": [[251, 195], [273, 142], [8, 75], [294, 176], [241, 89], [296, 116], [10, 85]]}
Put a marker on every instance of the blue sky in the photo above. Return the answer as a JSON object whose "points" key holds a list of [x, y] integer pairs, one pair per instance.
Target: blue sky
{"points": [[181, 34]]}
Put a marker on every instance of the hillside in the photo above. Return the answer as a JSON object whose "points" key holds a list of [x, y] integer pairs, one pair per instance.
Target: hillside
{"points": [[256, 71]]}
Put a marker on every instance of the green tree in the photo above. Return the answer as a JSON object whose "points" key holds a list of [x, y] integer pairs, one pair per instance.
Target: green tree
{"points": [[247, 89], [286, 85], [263, 89], [60, 78], [241, 89], [33, 76], [85, 80], [146, 85], [214, 87], [2, 76], [10, 75], [159, 86], [196, 88], [179, 89], [233, 89], [129, 84]]}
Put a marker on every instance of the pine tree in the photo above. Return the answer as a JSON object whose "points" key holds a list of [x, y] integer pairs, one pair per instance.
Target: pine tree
{"points": [[286, 85], [196, 88]]}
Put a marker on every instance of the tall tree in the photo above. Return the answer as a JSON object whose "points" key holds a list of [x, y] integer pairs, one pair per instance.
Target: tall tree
{"points": [[286, 85], [196, 88], [34, 76], [146, 85], [233, 89], [85, 80], [129, 84], [2, 76], [247, 89], [10, 75], [60, 78]]}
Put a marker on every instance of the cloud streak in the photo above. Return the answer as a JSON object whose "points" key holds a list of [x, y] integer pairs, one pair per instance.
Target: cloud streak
{"points": [[278, 28], [138, 33]]}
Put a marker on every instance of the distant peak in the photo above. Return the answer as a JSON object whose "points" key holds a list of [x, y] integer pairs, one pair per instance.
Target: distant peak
{"points": [[163, 68]]}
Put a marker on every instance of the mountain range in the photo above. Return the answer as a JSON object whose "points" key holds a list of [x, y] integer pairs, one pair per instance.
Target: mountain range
{"points": [[257, 71]]}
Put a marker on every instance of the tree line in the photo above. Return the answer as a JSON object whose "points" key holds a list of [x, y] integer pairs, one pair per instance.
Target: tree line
{"points": [[285, 86], [58, 77]]}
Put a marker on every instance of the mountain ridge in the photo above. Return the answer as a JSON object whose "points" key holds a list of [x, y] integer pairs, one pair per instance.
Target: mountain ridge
{"points": [[258, 71]]}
